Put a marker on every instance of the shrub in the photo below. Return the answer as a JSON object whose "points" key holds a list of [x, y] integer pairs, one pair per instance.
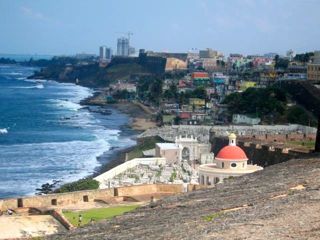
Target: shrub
{"points": [[82, 184]]}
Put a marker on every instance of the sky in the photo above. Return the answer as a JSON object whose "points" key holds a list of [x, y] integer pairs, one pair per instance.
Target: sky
{"points": [[230, 26]]}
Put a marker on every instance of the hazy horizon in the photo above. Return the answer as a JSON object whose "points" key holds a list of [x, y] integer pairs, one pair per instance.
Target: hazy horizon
{"points": [[237, 26]]}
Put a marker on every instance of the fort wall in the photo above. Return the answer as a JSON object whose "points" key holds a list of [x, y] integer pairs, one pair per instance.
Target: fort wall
{"points": [[53, 200], [169, 133], [262, 153], [59, 200]]}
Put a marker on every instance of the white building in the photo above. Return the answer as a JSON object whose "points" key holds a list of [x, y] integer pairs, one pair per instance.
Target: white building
{"points": [[123, 47], [184, 148], [244, 119], [231, 161], [130, 87], [105, 53]]}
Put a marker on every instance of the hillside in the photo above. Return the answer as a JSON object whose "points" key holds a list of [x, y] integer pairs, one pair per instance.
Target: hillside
{"points": [[274, 105], [280, 202], [90, 75]]}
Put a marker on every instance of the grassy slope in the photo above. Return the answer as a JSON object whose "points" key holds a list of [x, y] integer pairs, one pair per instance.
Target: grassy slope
{"points": [[136, 152], [306, 144], [97, 214]]}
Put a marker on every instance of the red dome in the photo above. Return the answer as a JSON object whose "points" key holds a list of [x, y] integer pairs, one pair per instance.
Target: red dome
{"points": [[231, 153]]}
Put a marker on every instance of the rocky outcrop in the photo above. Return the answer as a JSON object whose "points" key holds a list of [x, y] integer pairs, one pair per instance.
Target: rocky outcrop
{"points": [[280, 202]]}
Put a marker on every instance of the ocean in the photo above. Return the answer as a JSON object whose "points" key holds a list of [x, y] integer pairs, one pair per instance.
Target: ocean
{"points": [[46, 135]]}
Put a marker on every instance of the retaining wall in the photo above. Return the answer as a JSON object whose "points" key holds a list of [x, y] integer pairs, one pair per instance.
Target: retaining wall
{"points": [[63, 199], [261, 154]]}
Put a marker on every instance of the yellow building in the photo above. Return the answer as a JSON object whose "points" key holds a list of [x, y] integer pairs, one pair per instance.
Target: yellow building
{"points": [[197, 102], [247, 84], [175, 64], [313, 71]]}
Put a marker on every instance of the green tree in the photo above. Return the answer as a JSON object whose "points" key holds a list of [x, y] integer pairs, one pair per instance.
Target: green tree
{"points": [[257, 101], [83, 184], [281, 63], [298, 115]]}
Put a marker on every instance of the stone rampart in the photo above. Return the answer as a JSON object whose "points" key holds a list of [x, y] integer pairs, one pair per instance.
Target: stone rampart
{"points": [[60, 218], [261, 153], [147, 189], [52, 201], [169, 133], [55, 200]]}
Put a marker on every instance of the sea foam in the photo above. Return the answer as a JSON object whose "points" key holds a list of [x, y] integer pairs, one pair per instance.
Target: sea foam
{"points": [[3, 130]]}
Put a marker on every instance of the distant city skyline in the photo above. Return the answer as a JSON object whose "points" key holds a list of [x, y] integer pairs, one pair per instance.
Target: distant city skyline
{"points": [[236, 26]]}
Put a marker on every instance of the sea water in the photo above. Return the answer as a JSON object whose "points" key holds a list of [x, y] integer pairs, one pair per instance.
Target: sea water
{"points": [[46, 135]]}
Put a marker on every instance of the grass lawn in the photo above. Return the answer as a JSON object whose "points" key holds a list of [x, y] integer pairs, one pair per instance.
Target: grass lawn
{"points": [[168, 118], [97, 214], [307, 144]]}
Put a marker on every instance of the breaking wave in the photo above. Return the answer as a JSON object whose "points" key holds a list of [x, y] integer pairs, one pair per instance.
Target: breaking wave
{"points": [[3, 130]]}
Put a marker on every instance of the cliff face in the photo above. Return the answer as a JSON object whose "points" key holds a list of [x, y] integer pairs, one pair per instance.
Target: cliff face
{"points": [[280, 202]]}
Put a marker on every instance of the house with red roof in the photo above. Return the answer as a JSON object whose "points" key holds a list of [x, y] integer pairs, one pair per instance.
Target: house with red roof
{"points": [[231, 161]]}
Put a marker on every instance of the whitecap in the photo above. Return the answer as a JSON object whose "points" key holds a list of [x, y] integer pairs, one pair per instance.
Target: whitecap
{"points": [[3, 130], [14, 73], [35, 80], [66, 104], [39, 86], [65, 161]]}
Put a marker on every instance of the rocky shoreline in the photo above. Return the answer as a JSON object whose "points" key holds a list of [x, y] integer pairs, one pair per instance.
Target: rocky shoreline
{"points": [[114, 156], [140, 120]]}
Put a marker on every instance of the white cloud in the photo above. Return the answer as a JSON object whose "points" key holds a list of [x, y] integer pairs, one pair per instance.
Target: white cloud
{"points": [[29, 12], [33, 14]]}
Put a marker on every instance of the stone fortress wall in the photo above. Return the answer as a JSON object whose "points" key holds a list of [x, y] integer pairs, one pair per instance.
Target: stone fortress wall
{"points": [[168, 133], [264, 145], [263, 153], [59, 200]]}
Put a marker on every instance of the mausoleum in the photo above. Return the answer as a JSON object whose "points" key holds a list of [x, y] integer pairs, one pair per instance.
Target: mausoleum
{"points": [[231, 161]]}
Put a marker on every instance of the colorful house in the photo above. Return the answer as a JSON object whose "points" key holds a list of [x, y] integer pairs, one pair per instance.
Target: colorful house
{"points": [[197, 102], [200, 79]]}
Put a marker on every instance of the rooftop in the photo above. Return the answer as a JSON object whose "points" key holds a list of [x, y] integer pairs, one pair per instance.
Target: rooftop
{"points": [[167, 146]]}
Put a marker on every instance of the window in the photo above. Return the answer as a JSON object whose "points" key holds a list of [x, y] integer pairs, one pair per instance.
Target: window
{"points": [[223, 165], [54, 202], [20, 203], [85, 198], [233, 164]]}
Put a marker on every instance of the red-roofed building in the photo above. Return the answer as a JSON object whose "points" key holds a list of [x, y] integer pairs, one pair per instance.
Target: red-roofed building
{"points": [[185, 115], [230, 161], [200, 79]]}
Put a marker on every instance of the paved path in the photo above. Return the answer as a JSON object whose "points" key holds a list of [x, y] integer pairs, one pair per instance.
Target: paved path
{"points": [[28, 226]]}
